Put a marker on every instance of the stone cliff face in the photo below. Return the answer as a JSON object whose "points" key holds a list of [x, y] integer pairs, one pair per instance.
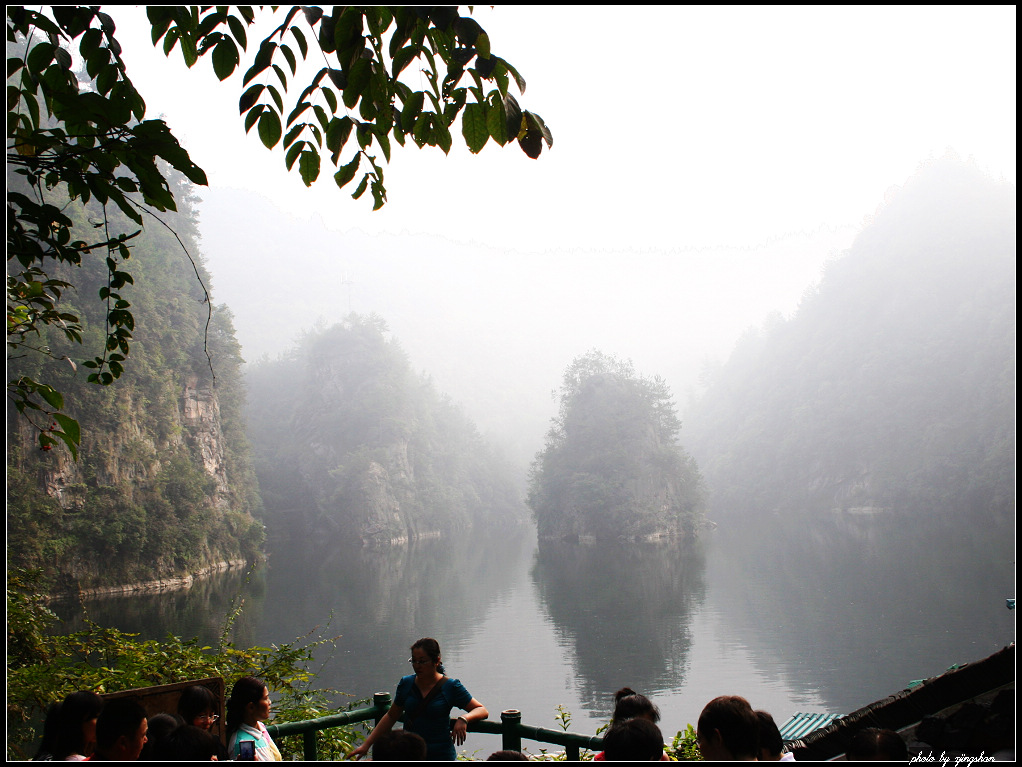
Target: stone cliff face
{"points": [[200, 416], [147, 505]]}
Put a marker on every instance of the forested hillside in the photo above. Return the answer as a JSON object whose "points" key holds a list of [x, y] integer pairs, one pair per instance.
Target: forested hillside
{"points": [[164, 485], [354, 446], [612, 466], [893, 386]]}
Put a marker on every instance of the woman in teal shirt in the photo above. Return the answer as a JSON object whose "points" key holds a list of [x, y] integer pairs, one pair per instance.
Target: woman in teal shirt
{"points": [[424, 701]]}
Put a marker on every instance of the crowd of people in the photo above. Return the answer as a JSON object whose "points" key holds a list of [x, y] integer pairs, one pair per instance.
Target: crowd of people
{"points": [[84, 727]]}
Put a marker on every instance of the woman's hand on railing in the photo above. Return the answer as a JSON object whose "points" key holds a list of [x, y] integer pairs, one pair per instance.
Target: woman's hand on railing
{"points": [[358, 753], [459, 731]]}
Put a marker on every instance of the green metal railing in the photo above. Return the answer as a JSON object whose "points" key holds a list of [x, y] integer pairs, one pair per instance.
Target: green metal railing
{"points": [[510, 728]]}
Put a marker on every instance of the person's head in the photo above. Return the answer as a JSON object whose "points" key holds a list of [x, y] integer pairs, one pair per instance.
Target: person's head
{"points": [[507, 756], [159, 727], [198, 707], [249, 703], [633, 740], [426, 656], [121, 730], [192, 744], [51, 732], [77, 725], [875, 745], [630, 704], [770, 742], [399, 746], [728, 730]]}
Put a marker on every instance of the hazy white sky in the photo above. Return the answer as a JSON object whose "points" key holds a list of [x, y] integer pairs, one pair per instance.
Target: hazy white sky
{"points": [[674, 127]]}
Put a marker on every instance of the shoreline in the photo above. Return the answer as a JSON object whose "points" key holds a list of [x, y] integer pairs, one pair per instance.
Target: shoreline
{"points": [[171, 583]]}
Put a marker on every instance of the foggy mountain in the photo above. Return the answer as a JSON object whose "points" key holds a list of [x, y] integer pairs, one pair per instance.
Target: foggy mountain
{"points": [[893, 386], [348, 439], [495, 328]]}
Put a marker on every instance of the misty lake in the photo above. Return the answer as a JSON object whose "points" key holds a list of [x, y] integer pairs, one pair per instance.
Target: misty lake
{"points": [[814, 614]]}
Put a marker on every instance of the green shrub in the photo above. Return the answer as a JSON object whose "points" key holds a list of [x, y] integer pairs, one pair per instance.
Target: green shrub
{"points": [[43, 668]]}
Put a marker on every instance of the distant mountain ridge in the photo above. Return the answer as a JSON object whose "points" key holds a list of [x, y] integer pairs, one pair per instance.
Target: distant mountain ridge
{"points": [[893, 384]]}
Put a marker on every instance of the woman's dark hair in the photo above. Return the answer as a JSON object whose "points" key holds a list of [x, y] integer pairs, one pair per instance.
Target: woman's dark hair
{"points": [[160, 727], [399, 746], [192, 744], [51, 731], [734, 719], [246, 690], [432, 648], [635, 739], [77, 708], [769, 736], [630, 704], [195, 701]]}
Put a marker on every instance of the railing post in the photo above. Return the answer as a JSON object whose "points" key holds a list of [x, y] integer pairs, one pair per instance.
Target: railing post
{"points": [[382, 702], [309, 746], [510, 738]]}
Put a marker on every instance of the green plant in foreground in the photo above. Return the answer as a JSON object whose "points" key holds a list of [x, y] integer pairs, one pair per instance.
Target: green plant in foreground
{"points": [[684, 747], [47, 667]]}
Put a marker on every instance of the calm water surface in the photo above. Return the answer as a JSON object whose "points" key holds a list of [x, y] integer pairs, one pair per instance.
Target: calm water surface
{"points": [[827, 614]]}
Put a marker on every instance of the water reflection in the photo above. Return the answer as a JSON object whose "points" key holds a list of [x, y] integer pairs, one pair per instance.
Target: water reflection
{"points": [[624, 609], [382, 600], [855, 607], [199, 611], [828, 613]]}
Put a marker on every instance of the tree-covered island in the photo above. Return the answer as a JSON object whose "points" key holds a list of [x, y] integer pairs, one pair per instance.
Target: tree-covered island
{"points": [[612, 466]]}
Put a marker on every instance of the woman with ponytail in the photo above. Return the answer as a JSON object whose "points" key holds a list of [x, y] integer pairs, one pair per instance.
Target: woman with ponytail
{"points": [[247, 709], [424, 701]]}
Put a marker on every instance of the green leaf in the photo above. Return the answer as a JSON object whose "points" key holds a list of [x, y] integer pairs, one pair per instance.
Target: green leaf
{"points": [[253, 116], [308, 166], [513, 117], [303, 46], [238, 31], [361, 187], [293, 134], [483, 45], [70, 426], [337, 133], [40, 57], [300, 107], [291, 62], [473, 127], [531, 143], [496, 120], [269, 128], [249, 98], [225, 58], [346, 173], [53, 397], [292, 154], [358, 80], [404, 57]]}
